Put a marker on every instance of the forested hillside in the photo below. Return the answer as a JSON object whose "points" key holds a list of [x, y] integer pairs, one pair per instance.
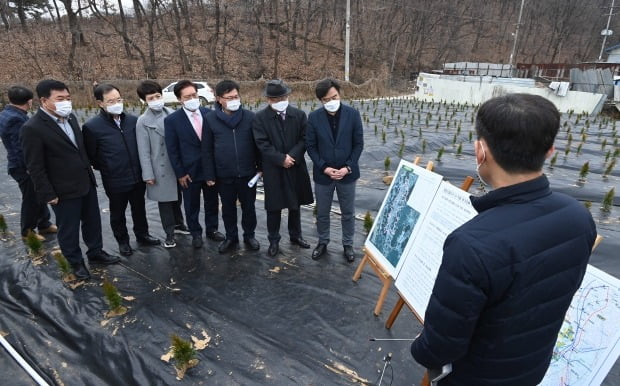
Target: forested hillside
{"points": [[292, 39]]}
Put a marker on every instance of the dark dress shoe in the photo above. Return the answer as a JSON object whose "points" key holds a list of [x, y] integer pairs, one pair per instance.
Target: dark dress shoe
{"points": [[348, 253], [197, 242], [273, 249], [319, 251], [103, 258], [216, 236], [148, 240], [252, 244], [125, 249], [301, 242], [80, 271], [227, 245]]}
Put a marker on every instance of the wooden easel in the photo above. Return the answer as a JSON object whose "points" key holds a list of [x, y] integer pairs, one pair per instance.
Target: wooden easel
{"points": [[369, 259]]}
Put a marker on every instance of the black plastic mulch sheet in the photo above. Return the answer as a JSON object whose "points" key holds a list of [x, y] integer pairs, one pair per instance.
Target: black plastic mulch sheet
{"points": [[289, 320]]}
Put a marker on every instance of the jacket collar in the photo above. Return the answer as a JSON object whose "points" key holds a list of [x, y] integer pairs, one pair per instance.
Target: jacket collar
{"points": [[152, 119], [514, 194]]}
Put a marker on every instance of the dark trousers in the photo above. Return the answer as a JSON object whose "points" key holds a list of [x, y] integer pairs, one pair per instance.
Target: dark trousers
{"points": [[118, 206], [72, 213], [171, 215], [231, 190], [273, 224], [191, 201], [34, 214]]}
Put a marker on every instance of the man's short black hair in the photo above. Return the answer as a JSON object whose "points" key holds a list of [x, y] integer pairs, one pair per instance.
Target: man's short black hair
{"points": [[19, 95], [226, 86], [103, 89], [148, 87], [45, 87], [519, 130], [183, 84], [323, 87]]}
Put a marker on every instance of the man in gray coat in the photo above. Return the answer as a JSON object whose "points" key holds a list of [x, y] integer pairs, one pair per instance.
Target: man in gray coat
{"points": [[279, 131], [157, 172]]}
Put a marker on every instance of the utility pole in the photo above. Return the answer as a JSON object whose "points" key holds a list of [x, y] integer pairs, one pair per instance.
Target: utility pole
{"points": [[606, 32], [347, 41], [514, 44]]}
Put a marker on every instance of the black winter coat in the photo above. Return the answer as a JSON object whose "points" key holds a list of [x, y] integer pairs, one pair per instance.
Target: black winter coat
{"points": [[229, 152], [113, 150], [504, 285], [284, 188]]}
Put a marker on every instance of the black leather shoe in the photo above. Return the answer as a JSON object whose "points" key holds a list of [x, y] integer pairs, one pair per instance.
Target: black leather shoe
{"points": [[80, 271], [227, 245], [319, 251], [148, 240], [348, 253], [197, 242], [216, 236], [252, 244], [103, 258], [273, 249], [301, 242], [125, 249]]}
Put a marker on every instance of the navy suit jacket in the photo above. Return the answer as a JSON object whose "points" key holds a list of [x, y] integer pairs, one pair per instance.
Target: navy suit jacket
{"points": [[327, 151], [184, 146]]}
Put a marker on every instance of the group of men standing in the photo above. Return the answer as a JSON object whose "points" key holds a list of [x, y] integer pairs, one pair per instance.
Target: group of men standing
{"points": [[185, 156]]}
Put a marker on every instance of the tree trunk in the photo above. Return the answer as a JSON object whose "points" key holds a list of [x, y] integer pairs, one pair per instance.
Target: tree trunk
{"points": [[124, 29], [276, 53], [185, 64]]}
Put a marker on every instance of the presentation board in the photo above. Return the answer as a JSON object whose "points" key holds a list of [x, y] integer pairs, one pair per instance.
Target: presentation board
{"points": [[407, 199]]}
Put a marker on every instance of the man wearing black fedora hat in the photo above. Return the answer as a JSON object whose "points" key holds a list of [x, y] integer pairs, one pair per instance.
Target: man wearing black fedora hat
{"points": [[279, 131]]}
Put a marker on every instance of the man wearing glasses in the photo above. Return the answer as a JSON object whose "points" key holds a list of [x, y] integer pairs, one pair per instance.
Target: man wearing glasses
{"points": [[230, 161], [110, 139]]}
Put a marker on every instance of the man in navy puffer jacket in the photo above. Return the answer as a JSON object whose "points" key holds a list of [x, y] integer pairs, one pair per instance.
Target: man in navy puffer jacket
{"points": [[230, 161], [508, 275]]}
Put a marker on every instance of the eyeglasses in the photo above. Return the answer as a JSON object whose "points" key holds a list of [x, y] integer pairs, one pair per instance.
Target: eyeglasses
{"points": [[113, 101]]}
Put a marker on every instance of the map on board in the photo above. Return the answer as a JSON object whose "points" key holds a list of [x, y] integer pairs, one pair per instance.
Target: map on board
{"points": [[396, 219], [588, 344], [408, 198]]}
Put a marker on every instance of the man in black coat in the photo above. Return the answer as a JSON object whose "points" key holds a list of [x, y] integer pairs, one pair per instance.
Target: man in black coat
{"points": [[279, 131], [230, 160], [58, 165], [110, 139]]}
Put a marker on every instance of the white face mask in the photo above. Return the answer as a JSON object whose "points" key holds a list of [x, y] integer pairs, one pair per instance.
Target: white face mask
{"points": [[484, 157], [156, 105], [280, 106], [233, 105], [63, 108], [332, 106], [192, 104], [115, 109]]}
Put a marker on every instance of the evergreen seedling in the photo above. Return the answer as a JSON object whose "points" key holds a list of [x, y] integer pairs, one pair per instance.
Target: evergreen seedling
{"points": [[459, 149], [183, 351], [579, 148], [587, 204], [401, 150], [604, 143], [114, 299], [610, 168], [368, 221], [607, 155], [608, 201], [423, 146], [583, 172], [386, 163], [383, 136], [553, 160], [63, 264], [3, 226], [440, 153], [35, 246]]}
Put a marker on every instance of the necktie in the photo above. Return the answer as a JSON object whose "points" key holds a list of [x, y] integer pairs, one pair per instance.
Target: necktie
{"points": [[197, 125], [282, 116]]}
